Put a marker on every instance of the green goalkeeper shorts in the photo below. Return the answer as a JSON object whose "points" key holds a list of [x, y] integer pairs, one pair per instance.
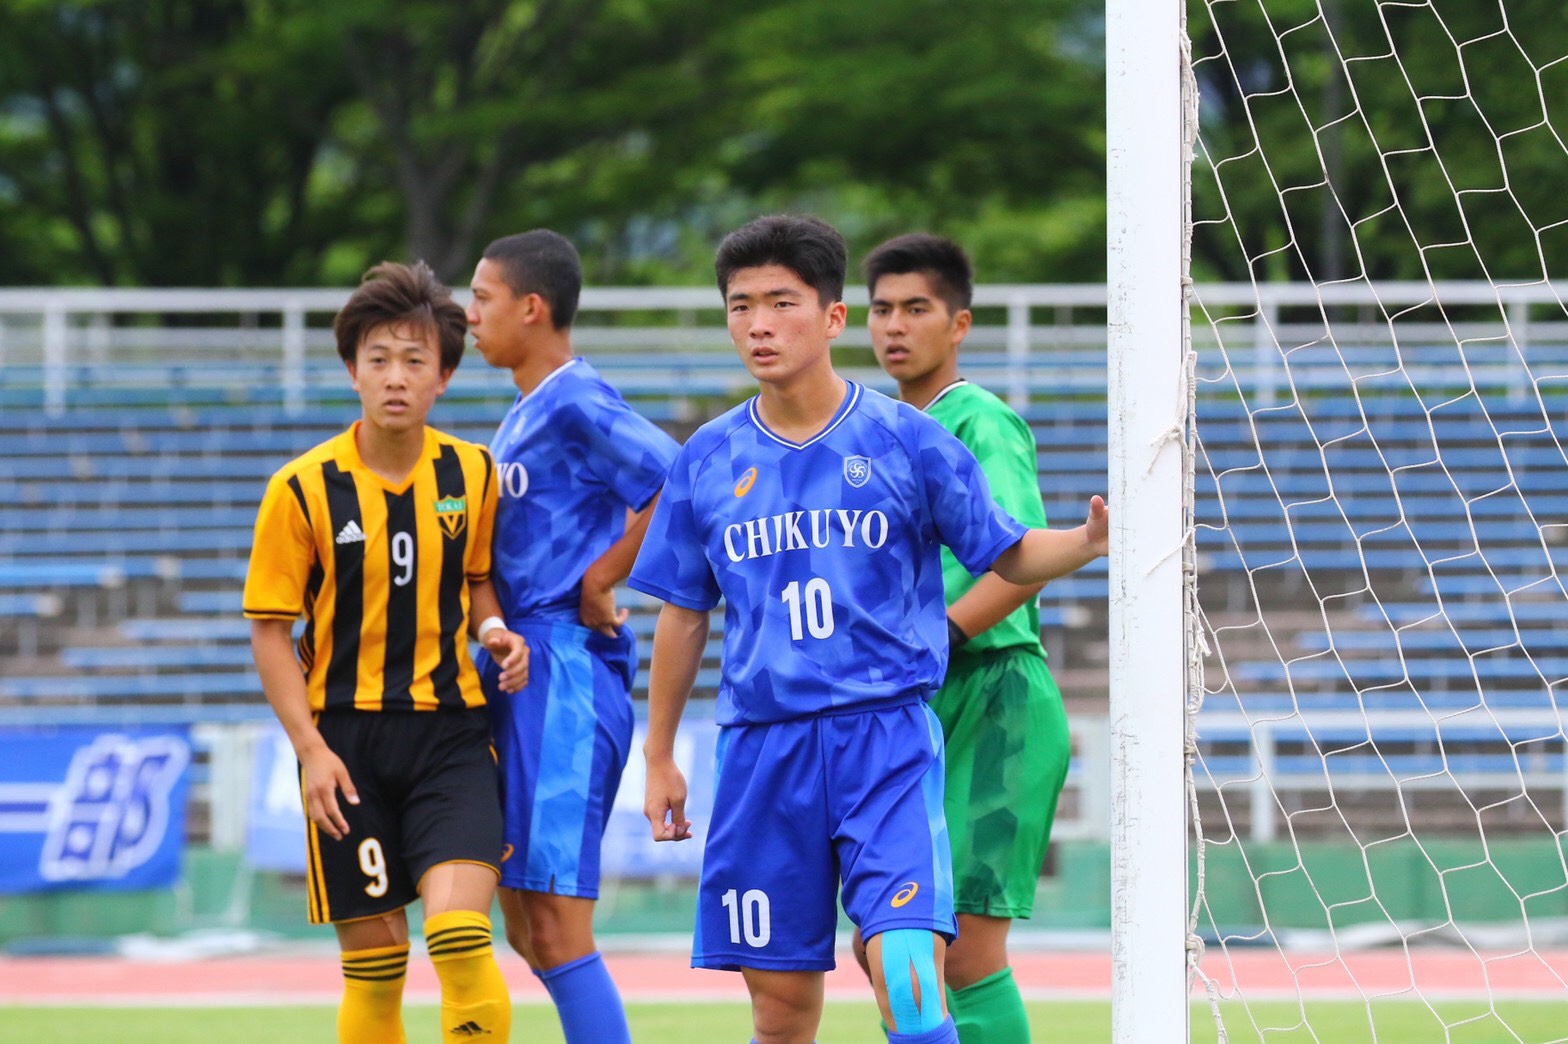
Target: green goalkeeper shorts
{"points": [[1007, 751]]}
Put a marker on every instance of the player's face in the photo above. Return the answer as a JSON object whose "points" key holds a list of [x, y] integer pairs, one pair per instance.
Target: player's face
{"points": [[397, 373], [495, 317], [779, 327], [912, 332]]}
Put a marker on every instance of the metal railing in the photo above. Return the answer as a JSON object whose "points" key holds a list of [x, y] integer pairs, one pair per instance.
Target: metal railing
{"points": [[44, 333]]}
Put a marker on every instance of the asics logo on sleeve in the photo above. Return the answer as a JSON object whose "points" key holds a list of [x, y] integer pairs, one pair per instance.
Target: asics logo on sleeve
{"points": [[904, 894]]}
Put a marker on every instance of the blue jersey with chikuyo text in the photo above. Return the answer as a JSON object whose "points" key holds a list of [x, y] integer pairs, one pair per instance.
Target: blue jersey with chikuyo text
{"points": [[825, 552], [571, 457]]}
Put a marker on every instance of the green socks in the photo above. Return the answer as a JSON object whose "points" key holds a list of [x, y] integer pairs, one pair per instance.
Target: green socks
{"points": [[990, 1011]]}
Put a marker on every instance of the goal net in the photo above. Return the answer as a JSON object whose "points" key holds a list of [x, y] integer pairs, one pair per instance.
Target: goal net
{"points": [[1376, 608]]}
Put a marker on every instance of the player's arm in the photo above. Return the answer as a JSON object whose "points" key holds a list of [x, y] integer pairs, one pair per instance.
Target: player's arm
{"points": [[990, 601], [507, 648], [678, 640], [1045, 554], [597, 610], [324, 772]]}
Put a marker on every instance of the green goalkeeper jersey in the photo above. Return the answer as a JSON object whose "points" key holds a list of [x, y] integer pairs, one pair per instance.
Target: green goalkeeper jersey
{"points": [[1004, 446]]}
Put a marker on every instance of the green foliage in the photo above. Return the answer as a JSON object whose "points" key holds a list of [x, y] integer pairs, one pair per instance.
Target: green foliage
{"points": [[160, 142], [283, 141], [262, 142], [1390, 141]]}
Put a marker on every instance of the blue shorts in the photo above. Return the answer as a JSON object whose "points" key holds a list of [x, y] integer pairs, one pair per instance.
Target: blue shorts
{"points": [[562, 743], [800, 805]]}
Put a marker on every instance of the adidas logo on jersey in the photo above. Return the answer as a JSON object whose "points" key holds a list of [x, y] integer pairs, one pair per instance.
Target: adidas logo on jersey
{"points": [[351, 533]]}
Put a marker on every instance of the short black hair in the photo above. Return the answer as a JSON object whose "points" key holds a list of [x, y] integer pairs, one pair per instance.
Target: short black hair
{"points": [[401, 295], [807, 246], [940, 260], [541, 262]]}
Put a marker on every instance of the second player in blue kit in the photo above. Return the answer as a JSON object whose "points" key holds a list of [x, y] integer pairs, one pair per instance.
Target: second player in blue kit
{"points": [[815, 511], [578, 471]]}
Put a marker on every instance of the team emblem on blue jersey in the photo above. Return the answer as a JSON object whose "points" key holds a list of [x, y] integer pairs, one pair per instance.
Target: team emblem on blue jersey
{"points": [[453, 514], [857, 471]]}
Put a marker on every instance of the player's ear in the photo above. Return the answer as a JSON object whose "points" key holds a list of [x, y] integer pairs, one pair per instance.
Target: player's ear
{"points": [[838, 317], [961, 323], [353, 373], [536, 309]]}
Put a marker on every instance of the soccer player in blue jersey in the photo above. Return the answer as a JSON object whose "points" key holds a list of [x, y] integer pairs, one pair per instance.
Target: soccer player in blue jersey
{"points": [[579, 472], [816, 511]]}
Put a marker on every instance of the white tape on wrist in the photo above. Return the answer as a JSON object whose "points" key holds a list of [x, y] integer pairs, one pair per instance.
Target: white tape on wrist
{"points": [[489, 624]]}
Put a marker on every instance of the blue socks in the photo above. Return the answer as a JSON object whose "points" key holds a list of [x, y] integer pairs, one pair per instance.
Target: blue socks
{"points": [[587, 1001], [946, 1033]]}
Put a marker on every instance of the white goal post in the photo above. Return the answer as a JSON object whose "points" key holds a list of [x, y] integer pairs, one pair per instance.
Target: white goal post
{"points": [[1146, 146], [1339, 494]]}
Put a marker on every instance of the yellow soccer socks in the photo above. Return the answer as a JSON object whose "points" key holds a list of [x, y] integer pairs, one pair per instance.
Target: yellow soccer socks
{"points": [[475, 1005], [372, 1007]]}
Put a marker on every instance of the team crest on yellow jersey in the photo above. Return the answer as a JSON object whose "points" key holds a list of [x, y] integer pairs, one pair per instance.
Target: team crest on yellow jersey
{"points": [[452, 512]]}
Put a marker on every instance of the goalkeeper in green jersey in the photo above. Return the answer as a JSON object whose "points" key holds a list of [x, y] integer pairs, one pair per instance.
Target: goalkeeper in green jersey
{"points": [[1001, 713]]}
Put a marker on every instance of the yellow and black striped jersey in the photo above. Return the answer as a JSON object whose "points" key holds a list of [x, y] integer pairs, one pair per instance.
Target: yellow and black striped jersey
{"points": [[380, 572]]}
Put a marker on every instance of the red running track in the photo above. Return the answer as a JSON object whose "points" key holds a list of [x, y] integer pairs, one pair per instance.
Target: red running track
{"points": [[312, 976]]}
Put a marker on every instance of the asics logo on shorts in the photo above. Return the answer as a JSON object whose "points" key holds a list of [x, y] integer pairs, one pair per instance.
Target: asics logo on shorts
{"points": [[906, 893], [506, 853]]}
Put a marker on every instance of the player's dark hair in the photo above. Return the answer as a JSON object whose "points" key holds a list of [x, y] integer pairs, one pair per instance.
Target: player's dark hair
{"points": [[807, 246], [942, 261], [402, 295], [541, 262]]}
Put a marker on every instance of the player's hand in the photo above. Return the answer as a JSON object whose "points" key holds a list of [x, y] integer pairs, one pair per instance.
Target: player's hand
{"points": [[1097, 528], [324, 775], [597, 610], [664, 801], [510, 652]]}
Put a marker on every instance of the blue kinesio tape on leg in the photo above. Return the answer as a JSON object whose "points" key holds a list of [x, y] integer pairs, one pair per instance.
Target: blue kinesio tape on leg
{"points": [[908, 957]]}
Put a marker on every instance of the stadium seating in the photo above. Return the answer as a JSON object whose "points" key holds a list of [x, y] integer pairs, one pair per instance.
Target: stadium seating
{"points": [[124, 542]]}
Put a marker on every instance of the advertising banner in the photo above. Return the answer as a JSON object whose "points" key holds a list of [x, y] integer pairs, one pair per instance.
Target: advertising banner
{"points": [[88, 808]]}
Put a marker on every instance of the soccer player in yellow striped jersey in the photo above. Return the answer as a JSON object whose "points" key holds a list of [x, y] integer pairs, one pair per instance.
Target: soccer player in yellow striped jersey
{"points": [[1002, 717], [380, 538]]}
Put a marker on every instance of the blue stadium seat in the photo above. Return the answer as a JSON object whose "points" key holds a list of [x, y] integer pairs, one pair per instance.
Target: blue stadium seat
{"points": [[185, 686], [1488, 612], [153, 657]]}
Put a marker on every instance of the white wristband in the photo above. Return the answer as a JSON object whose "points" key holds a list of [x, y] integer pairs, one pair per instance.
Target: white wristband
{"points": [[487, 625]]}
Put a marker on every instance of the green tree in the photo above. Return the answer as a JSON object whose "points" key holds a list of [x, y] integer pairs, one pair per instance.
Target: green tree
{"points": [[1345, 138], [154, 142]]}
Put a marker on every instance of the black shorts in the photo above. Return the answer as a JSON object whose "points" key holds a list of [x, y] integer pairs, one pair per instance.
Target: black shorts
{"points": [[429, 793]]}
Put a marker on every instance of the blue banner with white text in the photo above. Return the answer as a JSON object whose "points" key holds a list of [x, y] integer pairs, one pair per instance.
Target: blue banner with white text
{"points": [[88, 808]]}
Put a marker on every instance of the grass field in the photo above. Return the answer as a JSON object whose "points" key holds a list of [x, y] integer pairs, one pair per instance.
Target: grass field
{"points": [[1336, 1021]]}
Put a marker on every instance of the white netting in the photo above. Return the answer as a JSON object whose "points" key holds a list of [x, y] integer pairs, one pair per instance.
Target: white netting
{"points": [[1380, 517]]}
